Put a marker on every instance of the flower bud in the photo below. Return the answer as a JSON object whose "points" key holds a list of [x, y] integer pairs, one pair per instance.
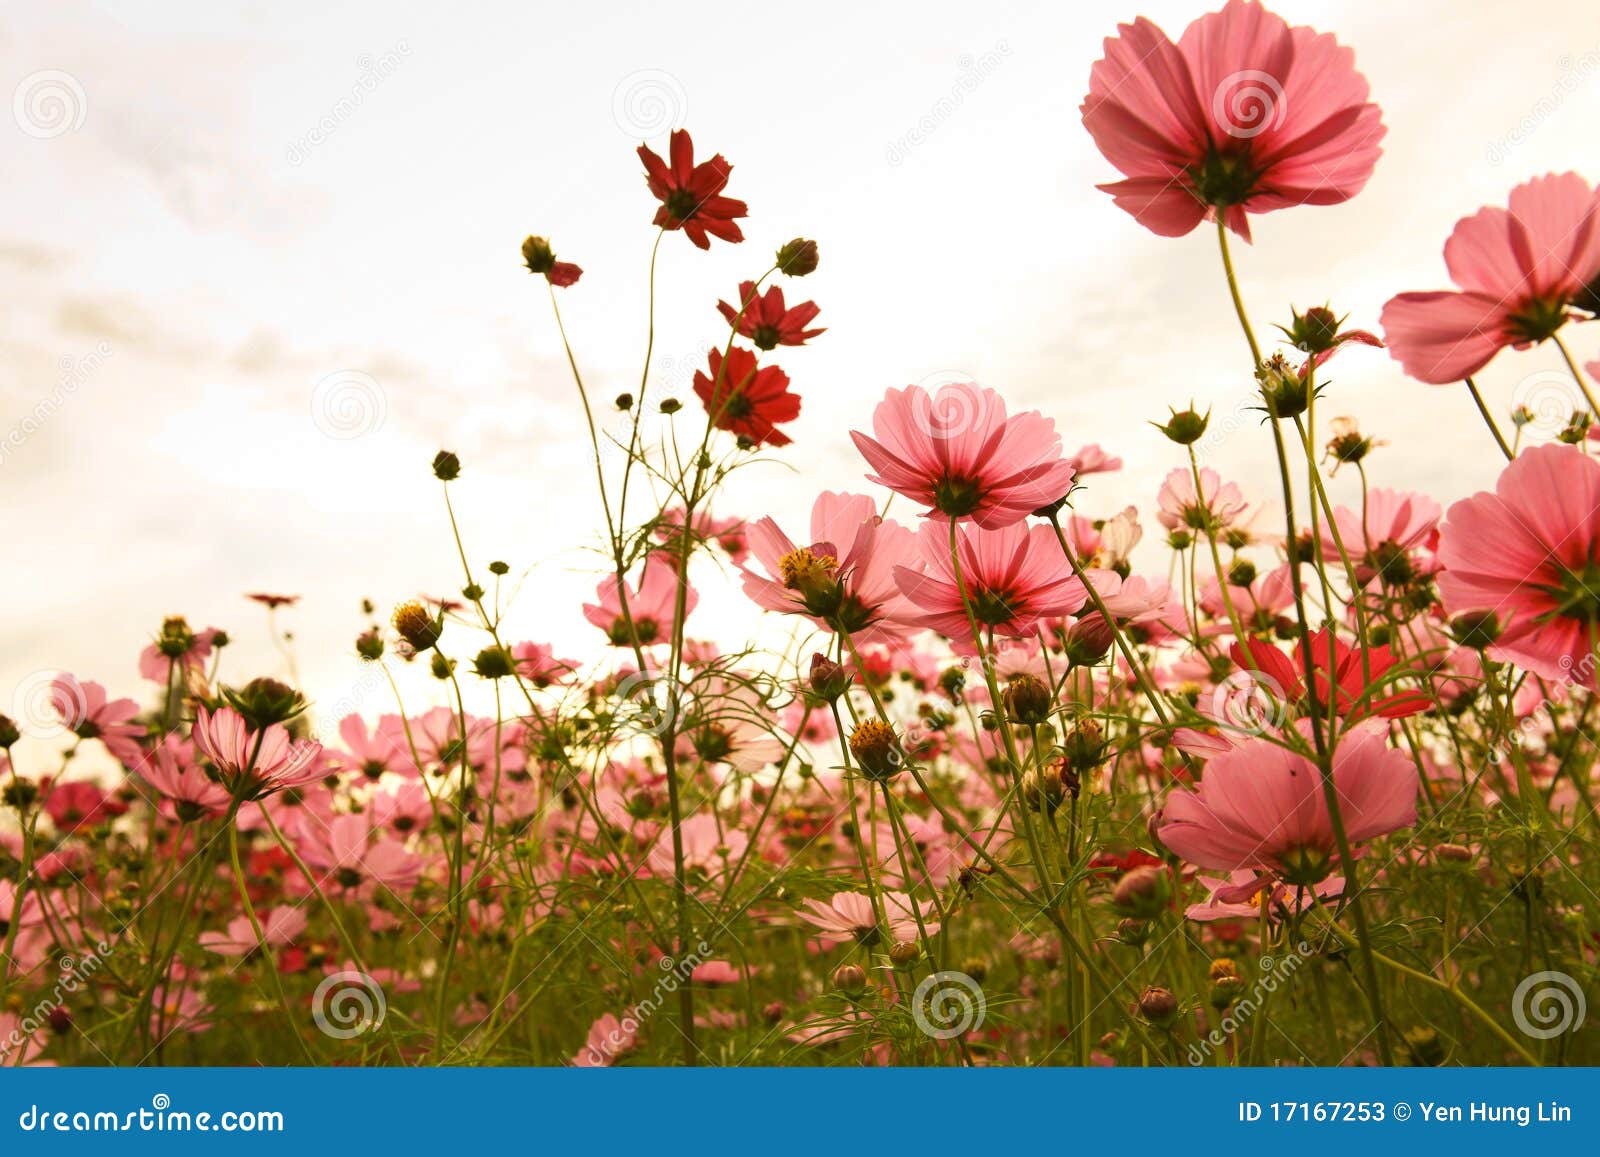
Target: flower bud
{"points": [[1133, 932], [850, 979], [369, 645], [1185, 427], [828, 680], [9, 733], [493, 663], [1475, 629], [797, 258], [1143, 893], [440, 667], [1452, 854], [1242, 572], [537, 255], [446, 466], [1158, 1005], [904, 952], [1315, 331], [263, 702], [1027, 700], [877, 749], [1424, 1046], [416, 626], [1089, 640]]}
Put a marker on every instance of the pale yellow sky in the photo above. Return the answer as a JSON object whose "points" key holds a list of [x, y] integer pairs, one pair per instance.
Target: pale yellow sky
{"points": [[234, 202]]}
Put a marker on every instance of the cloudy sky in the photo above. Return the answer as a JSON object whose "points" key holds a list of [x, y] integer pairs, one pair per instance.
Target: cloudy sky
{"points": [[259, 261]]}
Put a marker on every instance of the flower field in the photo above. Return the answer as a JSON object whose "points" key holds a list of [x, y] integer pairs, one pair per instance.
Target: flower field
{"points": [[1008, 778]]}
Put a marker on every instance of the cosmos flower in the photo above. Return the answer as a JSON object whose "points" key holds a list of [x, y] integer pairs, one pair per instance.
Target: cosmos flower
{"points": [[651, 606], [1520, 270], [1529, 553], [1262, 806], [1243, 115], [746, 400], [690, 194], [958, 453], [767, 321]]}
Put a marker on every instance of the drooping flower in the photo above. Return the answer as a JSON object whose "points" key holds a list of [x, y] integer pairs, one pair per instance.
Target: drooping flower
{"points": [[844, 579], [745, 399], [1243, 115], [651, 606], [959, 453], [1013, 577], [690, 194], [254, 764], [1262, 806], [767, 321], [1521, 269], [1530, 555], [172, 769]]}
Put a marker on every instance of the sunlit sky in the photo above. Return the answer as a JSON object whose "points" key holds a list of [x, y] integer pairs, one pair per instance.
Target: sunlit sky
{"points": [[245, 198]]}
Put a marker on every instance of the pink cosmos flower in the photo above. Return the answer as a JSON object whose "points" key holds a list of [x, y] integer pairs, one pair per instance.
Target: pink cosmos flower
{"points": [[1247, 896], [727, 533], [177, 645], [707, 848], [85, 711], [609, 1039], [281, 926], [1261, 806], [344, 851], [254, 764], [174, 770], [958, 452], [1384, 538], [537, 663], [844, 579], [1093, 460], [1520, 270], [849, 916], [1013, 577], [371, 753], [1243, 115], [1530, 554], [651, 606], [1217, 504]]}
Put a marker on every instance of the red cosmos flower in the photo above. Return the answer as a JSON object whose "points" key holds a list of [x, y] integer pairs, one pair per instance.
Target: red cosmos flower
{"points": [[766, 321], [1244, 114], [273, 602], [690, 194], [1345, 681], [746, 400]]}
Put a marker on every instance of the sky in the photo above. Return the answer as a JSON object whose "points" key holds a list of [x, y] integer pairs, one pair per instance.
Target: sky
{"points": [[259, 261]]}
